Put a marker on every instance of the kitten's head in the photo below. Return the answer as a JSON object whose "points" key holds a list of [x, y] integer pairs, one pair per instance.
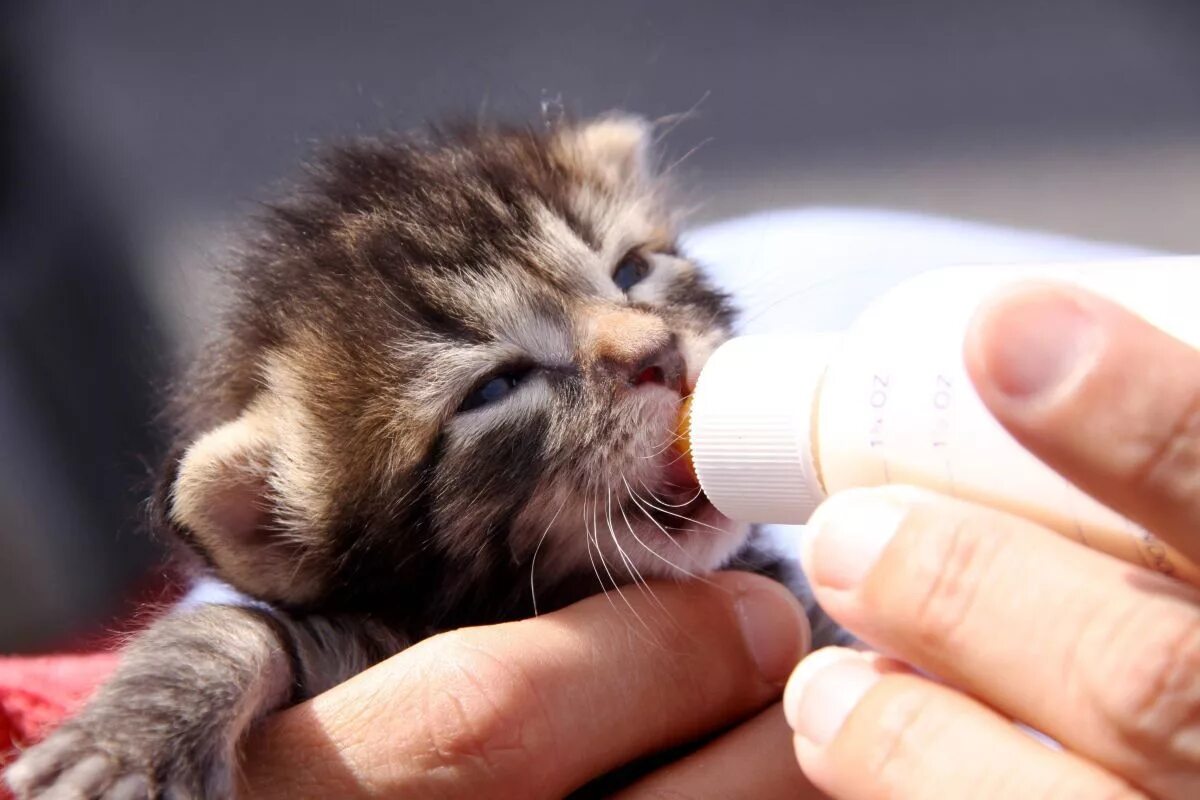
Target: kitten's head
{"points": [[450, 356]]}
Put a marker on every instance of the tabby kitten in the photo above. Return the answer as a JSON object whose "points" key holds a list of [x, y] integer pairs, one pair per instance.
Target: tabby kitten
{"points": [[444, 395]]}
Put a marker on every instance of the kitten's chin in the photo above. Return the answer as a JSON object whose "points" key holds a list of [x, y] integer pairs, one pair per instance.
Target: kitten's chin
{"points": [[703, 543]]}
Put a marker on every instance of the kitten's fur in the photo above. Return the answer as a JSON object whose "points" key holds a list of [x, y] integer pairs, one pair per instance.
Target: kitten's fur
{"points": [[324, 468]]}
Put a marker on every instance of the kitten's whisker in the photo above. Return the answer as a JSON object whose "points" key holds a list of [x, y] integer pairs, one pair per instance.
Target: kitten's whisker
{"points": [[658, 501], [677, 458], [688, 520], [686, 156], [604, 561], [630, 567], [613, 535], [672, 436], [802, 290], [687, 502], [761, 277], [673, 121], [672, 440], [648, 548], [588, 541], [640, 502], [536, 550]]}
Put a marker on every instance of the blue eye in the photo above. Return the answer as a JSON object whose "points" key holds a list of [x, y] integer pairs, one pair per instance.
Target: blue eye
{"points": [[631, 270], [493, 390]]}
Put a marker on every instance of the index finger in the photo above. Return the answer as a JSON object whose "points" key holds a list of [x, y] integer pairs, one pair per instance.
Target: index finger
{"points": [[1100, 395], [539, 707]]}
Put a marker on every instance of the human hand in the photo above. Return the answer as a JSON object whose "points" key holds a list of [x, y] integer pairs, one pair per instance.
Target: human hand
{"points": [[538, 708], [1016, 622]]}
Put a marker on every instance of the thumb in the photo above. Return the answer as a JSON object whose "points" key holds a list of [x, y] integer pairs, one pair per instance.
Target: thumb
{"points": [[539, 707], [1100, 395]]}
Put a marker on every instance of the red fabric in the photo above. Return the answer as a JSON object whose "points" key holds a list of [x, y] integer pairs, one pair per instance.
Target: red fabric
{"points": [[36, 693]]}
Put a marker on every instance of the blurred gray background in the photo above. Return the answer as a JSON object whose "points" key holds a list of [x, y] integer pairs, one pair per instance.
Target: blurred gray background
{"points": [[132, 134]]}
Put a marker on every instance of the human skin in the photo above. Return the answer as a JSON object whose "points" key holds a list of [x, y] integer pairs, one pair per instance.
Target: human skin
{"points": [[989, 619], [1101, 655], [540, 707]]}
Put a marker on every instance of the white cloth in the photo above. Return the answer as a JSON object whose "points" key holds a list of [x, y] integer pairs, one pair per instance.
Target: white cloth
{"points": [[815, 269]]}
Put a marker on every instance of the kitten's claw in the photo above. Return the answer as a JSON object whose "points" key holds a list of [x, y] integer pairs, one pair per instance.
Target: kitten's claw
{"points": [[73, 765]]}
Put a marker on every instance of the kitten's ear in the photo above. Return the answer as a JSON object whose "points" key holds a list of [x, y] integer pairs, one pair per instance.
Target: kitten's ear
{"points": [[618, 145], [226, 496]]}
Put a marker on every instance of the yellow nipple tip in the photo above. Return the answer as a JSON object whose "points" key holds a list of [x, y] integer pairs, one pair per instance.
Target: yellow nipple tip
{"points": [[683, 436]]}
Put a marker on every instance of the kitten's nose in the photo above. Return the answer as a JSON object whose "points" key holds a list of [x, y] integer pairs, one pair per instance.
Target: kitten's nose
{"points": [[664, 366], [636, 346]]}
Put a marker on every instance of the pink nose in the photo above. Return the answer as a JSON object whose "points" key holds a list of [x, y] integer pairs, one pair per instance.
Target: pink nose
{"points": [[664, 366], [635, 345]]}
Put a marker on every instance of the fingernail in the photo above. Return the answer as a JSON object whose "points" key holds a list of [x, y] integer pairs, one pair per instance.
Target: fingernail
{"points": [[823, 691], [774, 627], [847, 534], [1033, 339]]}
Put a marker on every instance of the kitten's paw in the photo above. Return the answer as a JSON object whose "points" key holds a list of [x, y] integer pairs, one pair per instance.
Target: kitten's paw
{"points": [[76, 765]]}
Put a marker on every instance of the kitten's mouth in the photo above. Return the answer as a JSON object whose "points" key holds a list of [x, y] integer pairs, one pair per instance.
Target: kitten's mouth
{"points": [[655, 375], [675, 516], [678, 477], [676, 503]]}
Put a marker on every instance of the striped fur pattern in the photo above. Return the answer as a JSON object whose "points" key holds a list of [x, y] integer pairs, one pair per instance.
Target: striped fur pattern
{"points": [[332, 465]]}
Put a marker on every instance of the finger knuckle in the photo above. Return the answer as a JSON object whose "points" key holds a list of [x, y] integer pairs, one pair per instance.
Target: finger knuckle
{"points": [[917, 727], [488, 723], [1145, 685], [901, 735], [947, 562], [1166, 464]]}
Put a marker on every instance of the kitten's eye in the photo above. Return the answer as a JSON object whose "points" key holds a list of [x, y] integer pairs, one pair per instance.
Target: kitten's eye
{"points": [[493, 389], [630, 271]]}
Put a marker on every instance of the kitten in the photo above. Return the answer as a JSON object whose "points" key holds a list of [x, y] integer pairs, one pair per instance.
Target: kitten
{"points": [[445, 395]]}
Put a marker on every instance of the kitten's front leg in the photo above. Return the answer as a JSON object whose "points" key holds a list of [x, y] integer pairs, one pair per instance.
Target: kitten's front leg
{"points": [[169, 721]]}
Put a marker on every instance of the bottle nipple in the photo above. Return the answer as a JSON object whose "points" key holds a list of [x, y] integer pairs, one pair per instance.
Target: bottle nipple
{"points": [[745, 433], [683, 438]]}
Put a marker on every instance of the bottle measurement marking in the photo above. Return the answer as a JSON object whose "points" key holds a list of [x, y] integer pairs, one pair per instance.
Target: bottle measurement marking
{"points": [[877, 400], [943, 398], [942, 428]]}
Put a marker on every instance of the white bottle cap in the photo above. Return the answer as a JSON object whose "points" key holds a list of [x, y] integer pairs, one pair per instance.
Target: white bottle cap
{"points": [[752, 423]]}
